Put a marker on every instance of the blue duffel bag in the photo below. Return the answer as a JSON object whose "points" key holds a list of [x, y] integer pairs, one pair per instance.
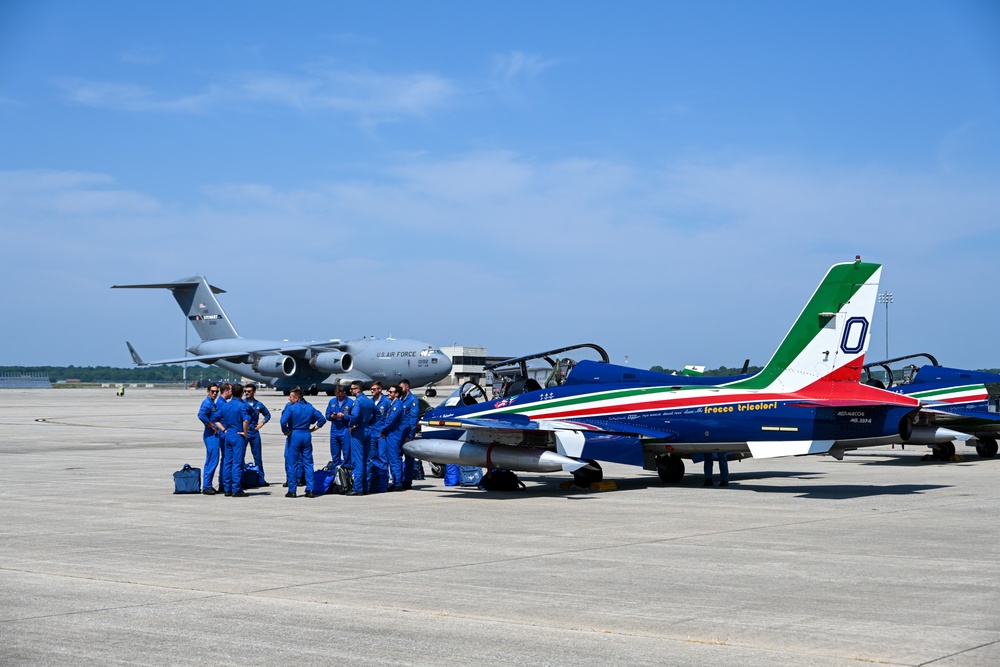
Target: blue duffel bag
{"points": [[251, 478], [470, 475], [187, 480], [324, 478]]}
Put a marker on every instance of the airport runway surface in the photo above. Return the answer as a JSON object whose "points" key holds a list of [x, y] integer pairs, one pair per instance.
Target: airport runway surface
{"points": [[880, 558]]}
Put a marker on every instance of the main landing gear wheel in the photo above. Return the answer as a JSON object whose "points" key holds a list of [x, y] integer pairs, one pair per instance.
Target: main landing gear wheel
{"points": [[944, 452], [987, 448], [670, 468], [584, 477], [437, 470], [430, 393]]}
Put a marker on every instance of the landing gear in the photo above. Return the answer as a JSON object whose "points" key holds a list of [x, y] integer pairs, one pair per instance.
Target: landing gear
{"points": [[670, 468], [584, 477], [944, 452], [430, 392], [987, 448], [437, 470]]}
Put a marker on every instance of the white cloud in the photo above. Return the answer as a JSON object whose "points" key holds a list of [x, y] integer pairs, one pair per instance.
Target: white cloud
{"points": [[703, 262], [133, 97], [364, 93], [515, 67]]}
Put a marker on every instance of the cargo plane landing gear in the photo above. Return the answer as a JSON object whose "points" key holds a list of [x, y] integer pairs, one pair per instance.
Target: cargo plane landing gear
{"points": [[670, 468]]}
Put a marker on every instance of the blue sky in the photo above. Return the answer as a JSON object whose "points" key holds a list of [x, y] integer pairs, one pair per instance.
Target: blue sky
{"points": [[669, 180]]}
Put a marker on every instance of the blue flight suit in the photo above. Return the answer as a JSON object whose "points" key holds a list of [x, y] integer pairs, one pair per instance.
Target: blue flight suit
{"points": [[362, 413], [253, 435], [206, 415], [296, 419], [723, 468], [232, 414], [340, 432], [411, 413], [393, 438], [379, 472]]}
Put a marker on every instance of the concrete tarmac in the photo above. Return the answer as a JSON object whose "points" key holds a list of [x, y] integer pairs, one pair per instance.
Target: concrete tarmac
{"points": [[880, 558]]}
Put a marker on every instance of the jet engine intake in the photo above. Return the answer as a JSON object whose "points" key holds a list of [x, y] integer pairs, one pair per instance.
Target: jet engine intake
{"points": [[275, 365], [332, 362]]}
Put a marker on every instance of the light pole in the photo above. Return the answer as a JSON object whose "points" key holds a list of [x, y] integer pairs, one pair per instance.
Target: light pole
{"points": [[886, 298]]}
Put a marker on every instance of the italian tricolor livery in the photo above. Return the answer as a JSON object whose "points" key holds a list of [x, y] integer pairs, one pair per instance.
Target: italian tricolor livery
{"points": [[808, 399]]}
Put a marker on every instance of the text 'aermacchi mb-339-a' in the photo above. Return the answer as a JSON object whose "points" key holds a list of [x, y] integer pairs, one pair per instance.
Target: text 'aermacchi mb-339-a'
{"points": [[315, 366], [807, 400]]}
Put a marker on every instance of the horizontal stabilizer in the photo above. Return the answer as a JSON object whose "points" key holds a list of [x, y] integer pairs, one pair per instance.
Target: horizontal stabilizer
{"points": [[772, 449], [184, 282]]}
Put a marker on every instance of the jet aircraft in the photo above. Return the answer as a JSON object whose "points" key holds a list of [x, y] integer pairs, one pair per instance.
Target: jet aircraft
{"points": [[808, 399], [314, 366], [955, 403]]}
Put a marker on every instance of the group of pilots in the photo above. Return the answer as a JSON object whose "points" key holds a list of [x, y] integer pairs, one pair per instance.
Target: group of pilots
{"points": [[366, 437]]}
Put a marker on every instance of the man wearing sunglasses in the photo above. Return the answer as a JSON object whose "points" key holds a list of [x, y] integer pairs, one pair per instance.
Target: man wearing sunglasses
{"points": [[362, 416], [206, 415]]}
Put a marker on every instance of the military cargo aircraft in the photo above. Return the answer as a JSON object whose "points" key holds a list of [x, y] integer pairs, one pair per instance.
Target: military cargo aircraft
{"points": [[953, 400], [807, 400], [315, 366]]}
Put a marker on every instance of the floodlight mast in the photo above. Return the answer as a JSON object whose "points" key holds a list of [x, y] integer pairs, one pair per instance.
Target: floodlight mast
{"points": [[886, 298]]}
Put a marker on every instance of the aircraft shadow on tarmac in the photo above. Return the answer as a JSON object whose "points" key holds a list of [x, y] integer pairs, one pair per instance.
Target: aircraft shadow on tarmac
{"points": [[549, 487]]}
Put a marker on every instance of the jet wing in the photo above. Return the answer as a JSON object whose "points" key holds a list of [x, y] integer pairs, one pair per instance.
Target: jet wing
{"points": [[846, 403], [940, 415]]}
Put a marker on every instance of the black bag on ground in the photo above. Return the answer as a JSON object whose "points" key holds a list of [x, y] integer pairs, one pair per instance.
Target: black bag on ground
{"points": [[187, 480], [501, 480], [343, 482]]}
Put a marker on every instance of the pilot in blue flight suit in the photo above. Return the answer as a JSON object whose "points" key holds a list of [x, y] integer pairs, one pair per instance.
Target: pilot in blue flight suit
{"points": [[379, 471], [392, 434], [206, 415], [233, 419], [362, 414], [338, 412], [723, 468], [298, 420], [411, 413], [257, 410]]}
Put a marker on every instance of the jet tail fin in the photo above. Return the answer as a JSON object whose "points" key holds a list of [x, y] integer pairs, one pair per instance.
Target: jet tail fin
{"points": [[830, 338], [197, 299]]}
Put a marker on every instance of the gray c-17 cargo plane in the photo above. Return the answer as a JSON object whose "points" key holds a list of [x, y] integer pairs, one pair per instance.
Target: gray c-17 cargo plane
{"points": [[315, 366]]}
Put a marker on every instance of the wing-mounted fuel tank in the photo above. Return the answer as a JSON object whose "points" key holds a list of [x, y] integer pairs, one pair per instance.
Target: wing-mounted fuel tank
{"points": [[275, 365], [332, 362]]}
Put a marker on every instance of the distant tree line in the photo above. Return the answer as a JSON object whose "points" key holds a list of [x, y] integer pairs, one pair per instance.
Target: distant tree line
{"points": [[112, 374]]}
